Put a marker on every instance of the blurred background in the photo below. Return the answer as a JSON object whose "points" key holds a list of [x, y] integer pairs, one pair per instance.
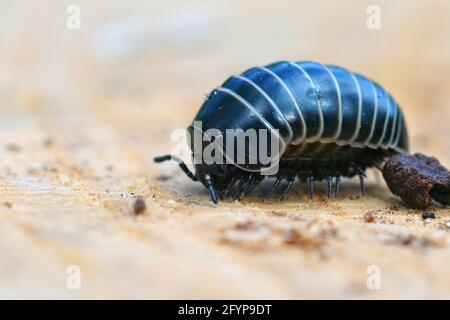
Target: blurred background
{"points": [[83, 111], [153, 59]]}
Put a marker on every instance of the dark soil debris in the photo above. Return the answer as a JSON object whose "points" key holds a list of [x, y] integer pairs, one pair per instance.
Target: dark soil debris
{"points": [[369, 217], [428, 215], [417, 180], [139, 205]]}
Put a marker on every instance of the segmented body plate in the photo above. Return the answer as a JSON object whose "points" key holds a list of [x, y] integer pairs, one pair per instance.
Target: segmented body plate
{"points": [[308, 102]]}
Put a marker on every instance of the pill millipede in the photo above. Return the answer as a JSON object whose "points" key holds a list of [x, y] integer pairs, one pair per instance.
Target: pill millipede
{"points": [[329, 122]]}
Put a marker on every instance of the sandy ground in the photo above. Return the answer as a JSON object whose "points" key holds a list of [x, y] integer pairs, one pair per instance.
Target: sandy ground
{"points": [[83, 112]]}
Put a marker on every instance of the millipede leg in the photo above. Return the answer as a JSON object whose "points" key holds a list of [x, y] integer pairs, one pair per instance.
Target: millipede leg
{"points": [[181, 163], [311, 187], [255, 182], [212, 189], [275, 185], [237, 188], [360, 171], [244, 187], [361, 185], [361, 175], [337, 186], [241, 187], [287, 188], [230, 185], [329, 185]]}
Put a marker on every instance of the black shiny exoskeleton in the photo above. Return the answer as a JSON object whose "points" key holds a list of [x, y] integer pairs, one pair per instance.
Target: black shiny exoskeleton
{"points": [[330, 123]]}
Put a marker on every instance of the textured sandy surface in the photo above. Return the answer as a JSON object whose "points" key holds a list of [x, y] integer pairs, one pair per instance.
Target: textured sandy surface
{"points": [[82, 113]]}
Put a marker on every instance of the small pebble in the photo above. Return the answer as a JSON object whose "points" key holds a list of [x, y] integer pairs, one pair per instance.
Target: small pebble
{"points": [[139, 205], [428, 215], [369, 217], [13, 147], [7, 204]]}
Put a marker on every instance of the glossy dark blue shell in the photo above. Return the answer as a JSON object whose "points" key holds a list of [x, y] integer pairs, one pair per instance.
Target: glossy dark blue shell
{"points": [[308, 102]]}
